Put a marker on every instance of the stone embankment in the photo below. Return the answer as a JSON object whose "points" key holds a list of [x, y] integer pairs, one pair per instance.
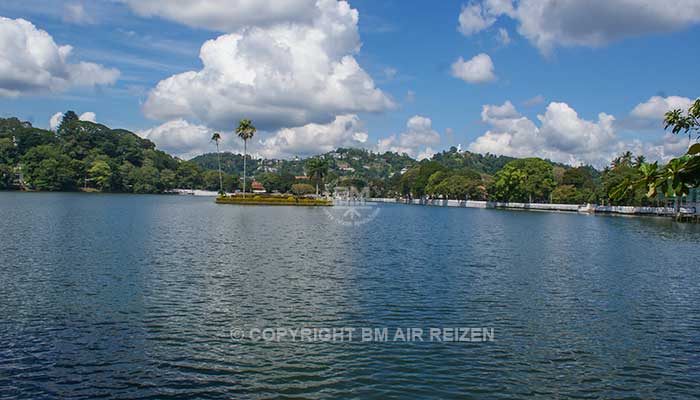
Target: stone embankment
{"points": [[589, 208]]}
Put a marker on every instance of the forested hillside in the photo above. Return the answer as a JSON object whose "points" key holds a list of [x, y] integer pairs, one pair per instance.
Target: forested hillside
{"points": [[87, 156]]}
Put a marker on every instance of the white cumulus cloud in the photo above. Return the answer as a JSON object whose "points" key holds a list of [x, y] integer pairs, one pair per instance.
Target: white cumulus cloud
{"points": [[565, 23], [479, 69], [657, 106], [32, 62], [88, 116], [550, 23], [184, 139], [283, 75], [55, 119], [226, 15], [76, 13], [312, 139], [415, 141], [503, 37], [474, 18], [533, 101], [563, 136]]}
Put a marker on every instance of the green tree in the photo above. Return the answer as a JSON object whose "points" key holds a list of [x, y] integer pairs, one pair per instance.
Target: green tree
{"points": [[47, 169], [317, 169], [210, 180], [100, 174], [565, 194], [231, 182], [579, 178], [245, 131], [461, 187], [415, 181], [679, 175], [168, 179], [8, 151], [146, 179], [524, 180], [688, 122], [619, 173], [68, 118], [271, 181], [216, 137], [433, 187], [189, 175], [6, 176], [125, 177], [301, 189]]}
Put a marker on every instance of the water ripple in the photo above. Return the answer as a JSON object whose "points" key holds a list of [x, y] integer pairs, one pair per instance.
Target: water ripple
{"points": [[135, 296]]}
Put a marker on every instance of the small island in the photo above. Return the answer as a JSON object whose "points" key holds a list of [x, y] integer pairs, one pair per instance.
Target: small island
{"points": [[272, 200], [316, 168]]}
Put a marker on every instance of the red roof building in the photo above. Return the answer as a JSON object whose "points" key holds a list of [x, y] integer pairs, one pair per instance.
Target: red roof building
{"points": [[257, 187]]}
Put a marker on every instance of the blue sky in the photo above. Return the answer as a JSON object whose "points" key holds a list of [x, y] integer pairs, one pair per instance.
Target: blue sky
{"points": [[540, 93]]}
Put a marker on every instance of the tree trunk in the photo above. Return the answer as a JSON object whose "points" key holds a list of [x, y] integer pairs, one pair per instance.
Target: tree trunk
{"points": [[221, 180], [317, 189], [245, 153]]}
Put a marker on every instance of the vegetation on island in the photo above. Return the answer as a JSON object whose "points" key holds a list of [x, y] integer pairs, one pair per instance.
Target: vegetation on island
{"points": [[245, 131], [258, 200]]}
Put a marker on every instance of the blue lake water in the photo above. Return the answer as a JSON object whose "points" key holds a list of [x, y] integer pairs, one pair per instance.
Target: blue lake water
{"points": [[127, 296]]}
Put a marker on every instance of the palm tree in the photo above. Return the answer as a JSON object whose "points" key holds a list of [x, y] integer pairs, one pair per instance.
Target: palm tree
{"points": [[639, 160], [216, 137], [627, 158], [616, 162], [245, 131], [317, 168]]}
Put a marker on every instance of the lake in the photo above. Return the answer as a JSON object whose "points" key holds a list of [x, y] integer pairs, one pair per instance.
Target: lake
{"points": [[130, 296]]}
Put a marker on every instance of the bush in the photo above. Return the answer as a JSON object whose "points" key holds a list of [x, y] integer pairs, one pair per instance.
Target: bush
{"points": [[301, 189]]}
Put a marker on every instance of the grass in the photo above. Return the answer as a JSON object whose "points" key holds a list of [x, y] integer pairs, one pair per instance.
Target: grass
{"points": [[257, 200]]}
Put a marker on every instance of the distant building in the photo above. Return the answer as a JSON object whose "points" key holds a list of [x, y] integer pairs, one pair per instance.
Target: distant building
{"points": [[257, 187], [343, 166]]}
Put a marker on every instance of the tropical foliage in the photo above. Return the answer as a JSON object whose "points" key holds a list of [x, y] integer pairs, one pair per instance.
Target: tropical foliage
{"points": [[87, 156], [317, 169], [679, 175], [245, 131], [525, 180]]}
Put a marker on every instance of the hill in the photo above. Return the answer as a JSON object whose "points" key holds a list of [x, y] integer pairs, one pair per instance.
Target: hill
{"points": [[88, 156]]}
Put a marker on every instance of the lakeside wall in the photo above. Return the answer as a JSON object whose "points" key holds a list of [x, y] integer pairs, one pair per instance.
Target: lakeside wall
{"points": [[590, 208]]}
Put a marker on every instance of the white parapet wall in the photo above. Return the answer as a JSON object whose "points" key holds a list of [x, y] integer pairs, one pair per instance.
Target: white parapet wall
{"points": [[589, 208], [479, 204], [630, 210]]}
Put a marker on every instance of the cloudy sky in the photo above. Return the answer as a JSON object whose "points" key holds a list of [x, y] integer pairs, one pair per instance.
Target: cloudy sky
{"points": [[573, 81]]}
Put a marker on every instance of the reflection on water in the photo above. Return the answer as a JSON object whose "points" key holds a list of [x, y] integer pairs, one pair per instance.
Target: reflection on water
{"points": [[135, 296]]}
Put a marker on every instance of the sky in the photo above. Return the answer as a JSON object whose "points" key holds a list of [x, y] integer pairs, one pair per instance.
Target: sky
{"points": [[576, 82]]}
